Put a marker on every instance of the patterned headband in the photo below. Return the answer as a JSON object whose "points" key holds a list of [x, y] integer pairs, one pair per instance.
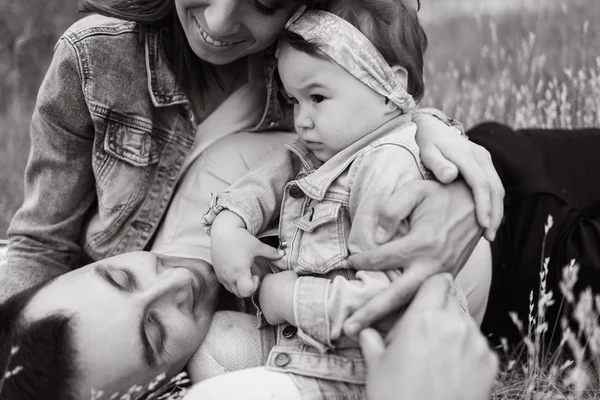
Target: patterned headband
{"points": [[347, 46]]}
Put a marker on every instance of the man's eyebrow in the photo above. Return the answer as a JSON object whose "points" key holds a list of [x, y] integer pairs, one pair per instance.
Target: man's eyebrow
{"points": [[149, 355]]}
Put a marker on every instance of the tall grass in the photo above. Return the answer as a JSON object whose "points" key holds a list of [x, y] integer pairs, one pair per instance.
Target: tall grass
{"points": [[527, 66], [521, 62]]}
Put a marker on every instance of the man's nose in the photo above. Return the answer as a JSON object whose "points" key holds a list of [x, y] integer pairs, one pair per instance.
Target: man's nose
{"points": [[223, 18], [172, 283]]}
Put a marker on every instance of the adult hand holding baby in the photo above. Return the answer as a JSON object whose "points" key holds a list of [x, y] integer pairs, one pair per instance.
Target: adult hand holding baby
{"points": [[233, 252], [443, 233], [435, 351]]}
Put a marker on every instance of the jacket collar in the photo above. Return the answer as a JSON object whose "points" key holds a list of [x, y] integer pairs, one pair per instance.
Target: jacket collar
{"points": [[321, 175], [162, 83]]}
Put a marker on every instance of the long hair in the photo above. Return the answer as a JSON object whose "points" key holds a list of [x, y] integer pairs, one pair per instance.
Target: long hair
{"points": [[191, 71], [161, 15]]}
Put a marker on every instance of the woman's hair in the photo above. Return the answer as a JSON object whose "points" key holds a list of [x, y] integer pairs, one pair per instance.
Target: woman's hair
{"points": [[190, 70], [391, 25], [37, 359]]}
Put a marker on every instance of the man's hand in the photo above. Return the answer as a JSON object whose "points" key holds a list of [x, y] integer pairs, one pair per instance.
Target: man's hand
{"points": [[276, 297], [443, 233], [447, 154], [435, 351], [233, 251]]}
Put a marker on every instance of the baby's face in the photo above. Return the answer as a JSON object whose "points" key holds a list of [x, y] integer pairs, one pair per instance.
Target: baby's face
{"points": [[332, 109]]}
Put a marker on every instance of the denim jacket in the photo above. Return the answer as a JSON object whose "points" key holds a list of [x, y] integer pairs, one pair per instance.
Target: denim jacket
{"points": [[109, 135], [326, 212], [110, 132]]}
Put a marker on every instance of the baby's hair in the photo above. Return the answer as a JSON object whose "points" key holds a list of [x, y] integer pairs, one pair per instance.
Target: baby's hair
{"points": [[391, 25]]}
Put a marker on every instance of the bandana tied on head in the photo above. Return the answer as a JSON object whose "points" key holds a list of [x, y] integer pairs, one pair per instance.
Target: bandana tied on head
{"points": [[348, 47]]}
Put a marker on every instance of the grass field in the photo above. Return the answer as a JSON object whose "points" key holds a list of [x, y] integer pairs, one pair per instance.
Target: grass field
{"points": [[522, 62]]}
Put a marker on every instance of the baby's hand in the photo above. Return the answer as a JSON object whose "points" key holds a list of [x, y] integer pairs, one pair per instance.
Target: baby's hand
{"points": [[276, 297], [233, 252]]}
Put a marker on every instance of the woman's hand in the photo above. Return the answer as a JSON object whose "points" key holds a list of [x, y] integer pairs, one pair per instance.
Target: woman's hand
{"points": [[435, 351], [447, 154], [233, 251], [443, 233]]}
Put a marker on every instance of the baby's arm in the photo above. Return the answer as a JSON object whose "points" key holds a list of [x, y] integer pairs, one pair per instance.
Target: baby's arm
{"points": [[239, 214], [319, 306], [234, 267]]}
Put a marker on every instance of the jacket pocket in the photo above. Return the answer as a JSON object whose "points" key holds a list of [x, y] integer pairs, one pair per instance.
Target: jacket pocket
{"points": [[322, 237], [124, 169]]}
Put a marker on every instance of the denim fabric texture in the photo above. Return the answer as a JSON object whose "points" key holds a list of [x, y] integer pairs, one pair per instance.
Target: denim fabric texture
{"points": [[326, 211], [110, 132]]}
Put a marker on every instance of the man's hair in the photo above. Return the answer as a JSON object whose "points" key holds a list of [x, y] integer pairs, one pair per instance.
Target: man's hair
{"points": [[37, 359], [391, 25]]}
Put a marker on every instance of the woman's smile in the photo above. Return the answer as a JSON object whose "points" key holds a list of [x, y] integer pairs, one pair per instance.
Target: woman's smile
{"points": [[210, 40]]}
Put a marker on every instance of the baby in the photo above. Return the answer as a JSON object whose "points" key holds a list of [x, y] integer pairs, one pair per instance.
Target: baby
{"points": [[353, 75]]}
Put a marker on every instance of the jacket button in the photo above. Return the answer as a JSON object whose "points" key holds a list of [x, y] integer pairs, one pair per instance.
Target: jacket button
{"points": [[289, 331], [282, 359], [296, 192]]}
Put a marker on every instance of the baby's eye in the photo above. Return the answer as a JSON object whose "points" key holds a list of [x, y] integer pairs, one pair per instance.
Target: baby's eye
{"points": [[293, 100], [317, 98]]}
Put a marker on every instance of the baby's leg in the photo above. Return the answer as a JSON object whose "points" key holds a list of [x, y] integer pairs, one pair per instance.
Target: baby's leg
{"points": [[475, 279], [248, 384]]}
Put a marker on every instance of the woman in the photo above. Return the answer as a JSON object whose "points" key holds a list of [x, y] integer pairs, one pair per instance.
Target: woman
{"points": [[124, 321], [125, 106]]}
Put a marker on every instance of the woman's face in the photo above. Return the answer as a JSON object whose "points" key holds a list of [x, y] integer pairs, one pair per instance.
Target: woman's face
{"points": [[134, 316], [222, 31]]}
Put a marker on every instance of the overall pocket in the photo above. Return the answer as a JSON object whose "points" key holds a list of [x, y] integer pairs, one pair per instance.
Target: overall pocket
{"points": [[123, 169], [322, 237]]}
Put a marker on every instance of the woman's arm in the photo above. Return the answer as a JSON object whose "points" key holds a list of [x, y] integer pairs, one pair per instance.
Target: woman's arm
{"points": [[59, 182], [445, 225], [443, 233], [447, 154]]}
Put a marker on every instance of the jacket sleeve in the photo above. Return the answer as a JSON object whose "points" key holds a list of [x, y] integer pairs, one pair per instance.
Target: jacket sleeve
{"points": [[322, 305], [59, 181], [257, 196]]}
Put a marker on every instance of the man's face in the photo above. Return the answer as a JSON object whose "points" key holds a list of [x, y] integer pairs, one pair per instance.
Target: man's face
{"points": [[135, 316]]}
